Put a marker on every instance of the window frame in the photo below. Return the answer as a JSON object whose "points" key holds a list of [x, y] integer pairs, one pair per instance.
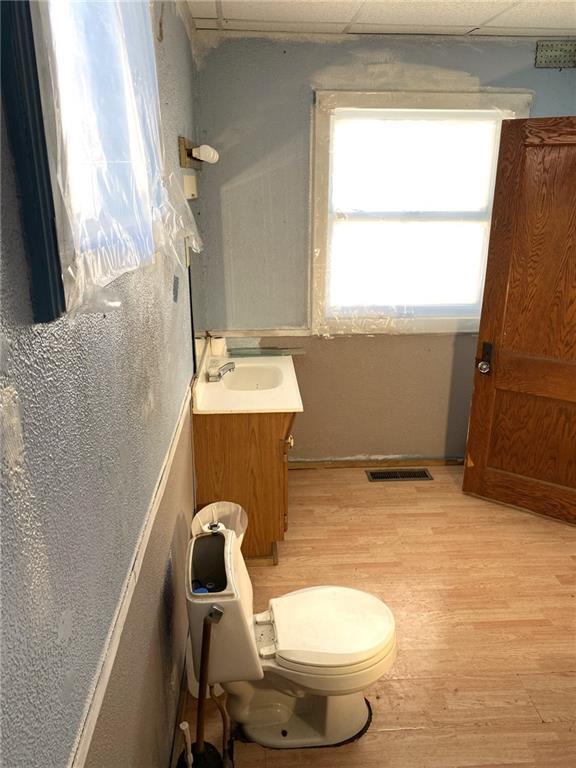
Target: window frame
{"points": [[510, 104]]}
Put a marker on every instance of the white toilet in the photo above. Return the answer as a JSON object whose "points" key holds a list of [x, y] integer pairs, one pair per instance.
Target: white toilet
{"points": [[294, 675]]}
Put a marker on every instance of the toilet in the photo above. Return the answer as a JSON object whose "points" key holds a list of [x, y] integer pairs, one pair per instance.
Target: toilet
{"points": [[294, 674]]}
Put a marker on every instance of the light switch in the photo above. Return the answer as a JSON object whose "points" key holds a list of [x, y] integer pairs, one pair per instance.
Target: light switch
{"points": [[190, 186]]}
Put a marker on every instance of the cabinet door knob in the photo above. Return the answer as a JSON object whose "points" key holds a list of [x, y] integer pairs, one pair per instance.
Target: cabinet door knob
{"points": [[290, 441]]}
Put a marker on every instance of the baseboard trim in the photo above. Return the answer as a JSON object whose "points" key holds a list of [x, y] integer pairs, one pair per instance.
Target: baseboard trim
{"points": [[102, 678], [385, 461]]}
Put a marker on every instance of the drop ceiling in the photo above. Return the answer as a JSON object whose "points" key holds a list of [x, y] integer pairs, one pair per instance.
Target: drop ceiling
{"points": [[547, 18]]}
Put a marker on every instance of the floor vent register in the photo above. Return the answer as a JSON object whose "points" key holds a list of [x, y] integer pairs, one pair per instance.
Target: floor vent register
{"points": [[388, 475]]}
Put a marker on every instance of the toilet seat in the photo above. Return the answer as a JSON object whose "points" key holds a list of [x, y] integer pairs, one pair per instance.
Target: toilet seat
{"points": [[331, 630]]}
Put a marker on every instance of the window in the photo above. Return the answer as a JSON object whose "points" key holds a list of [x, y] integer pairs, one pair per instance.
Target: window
{"points": [[402, 205]]}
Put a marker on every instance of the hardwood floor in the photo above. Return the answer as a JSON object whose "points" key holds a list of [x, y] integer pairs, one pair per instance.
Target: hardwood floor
{"points": [[485, 602]]}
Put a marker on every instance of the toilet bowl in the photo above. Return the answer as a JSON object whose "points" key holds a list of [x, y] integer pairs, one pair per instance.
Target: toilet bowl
{"points": [[294, 674]]}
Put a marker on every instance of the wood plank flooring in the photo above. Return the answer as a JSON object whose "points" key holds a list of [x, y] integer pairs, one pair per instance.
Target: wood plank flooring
{"points": [[485, 603]]}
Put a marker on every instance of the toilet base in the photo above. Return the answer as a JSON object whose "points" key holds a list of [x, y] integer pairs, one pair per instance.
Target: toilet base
{"points": [[280, 721]]}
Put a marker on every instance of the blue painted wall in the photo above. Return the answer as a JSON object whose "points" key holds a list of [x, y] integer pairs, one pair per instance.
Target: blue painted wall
{"points": [[255, 106], [89, 405]]}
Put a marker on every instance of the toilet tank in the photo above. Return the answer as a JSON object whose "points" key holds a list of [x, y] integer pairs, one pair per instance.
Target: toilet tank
{"points": [[216, 574]]}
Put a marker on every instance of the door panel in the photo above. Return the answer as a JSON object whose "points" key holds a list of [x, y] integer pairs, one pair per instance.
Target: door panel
{"points": [[534, 436], [522, 438], [549, 378], [540, 311]]}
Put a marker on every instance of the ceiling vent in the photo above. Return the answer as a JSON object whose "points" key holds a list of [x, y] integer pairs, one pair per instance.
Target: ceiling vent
{"points": [[555, 54]]}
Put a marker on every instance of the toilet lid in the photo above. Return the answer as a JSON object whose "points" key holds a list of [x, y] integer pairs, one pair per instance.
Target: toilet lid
{"points": [[331, 626]]}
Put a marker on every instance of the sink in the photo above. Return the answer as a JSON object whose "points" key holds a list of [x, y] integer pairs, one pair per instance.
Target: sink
{"points": [[265, 384], [247, 378]]}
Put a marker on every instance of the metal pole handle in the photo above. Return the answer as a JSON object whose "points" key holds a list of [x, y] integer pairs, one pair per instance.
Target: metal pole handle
{"points": [[213, 616]]}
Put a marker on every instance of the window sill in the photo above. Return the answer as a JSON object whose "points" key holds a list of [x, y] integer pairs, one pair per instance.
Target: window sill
{"points": [[396, 325]]}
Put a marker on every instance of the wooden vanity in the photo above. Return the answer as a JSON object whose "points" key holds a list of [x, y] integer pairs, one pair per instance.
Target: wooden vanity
{"points": [[242, 435], [243, 457]]}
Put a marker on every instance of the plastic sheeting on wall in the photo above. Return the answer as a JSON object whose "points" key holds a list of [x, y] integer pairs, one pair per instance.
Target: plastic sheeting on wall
{"points": [[115, 206]]}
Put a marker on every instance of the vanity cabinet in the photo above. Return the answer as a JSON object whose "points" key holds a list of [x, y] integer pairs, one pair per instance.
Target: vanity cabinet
{"points": [[243, 457]]}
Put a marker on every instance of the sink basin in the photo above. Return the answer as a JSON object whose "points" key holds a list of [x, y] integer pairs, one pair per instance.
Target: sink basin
{"points": [[260, 385], [247, 378]]}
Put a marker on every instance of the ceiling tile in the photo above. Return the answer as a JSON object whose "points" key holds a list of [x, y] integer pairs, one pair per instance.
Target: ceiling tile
{"points": [[299, 11], [400, 29], [424, 12], [302, 27], [545, 18], [519, 32], [203, 9], [546, 14], [206, 23]]}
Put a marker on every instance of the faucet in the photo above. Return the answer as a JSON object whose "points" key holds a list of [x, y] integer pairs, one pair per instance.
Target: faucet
{"points": [[215, 374]]}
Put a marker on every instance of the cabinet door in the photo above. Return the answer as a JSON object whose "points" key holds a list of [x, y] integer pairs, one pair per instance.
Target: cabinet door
{"points": [[241, 458], [288, 443]]}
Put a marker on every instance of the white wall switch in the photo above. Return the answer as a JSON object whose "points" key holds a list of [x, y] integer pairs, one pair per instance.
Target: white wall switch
{"points": [[190, 186]]}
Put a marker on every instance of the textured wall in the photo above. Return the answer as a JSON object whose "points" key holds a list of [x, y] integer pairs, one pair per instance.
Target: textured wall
{"points": [[255, 106], [137, 718], [89, 405]]}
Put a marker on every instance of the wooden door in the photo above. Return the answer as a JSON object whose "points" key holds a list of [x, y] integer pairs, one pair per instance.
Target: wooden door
{"points": [[522, 437]]}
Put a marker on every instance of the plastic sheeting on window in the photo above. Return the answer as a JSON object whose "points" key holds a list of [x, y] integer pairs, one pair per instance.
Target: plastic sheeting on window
{"points": [[115, 207], [403, 187]]}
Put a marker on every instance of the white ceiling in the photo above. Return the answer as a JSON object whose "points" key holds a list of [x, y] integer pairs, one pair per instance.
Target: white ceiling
{"points": [[546, 18]]}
